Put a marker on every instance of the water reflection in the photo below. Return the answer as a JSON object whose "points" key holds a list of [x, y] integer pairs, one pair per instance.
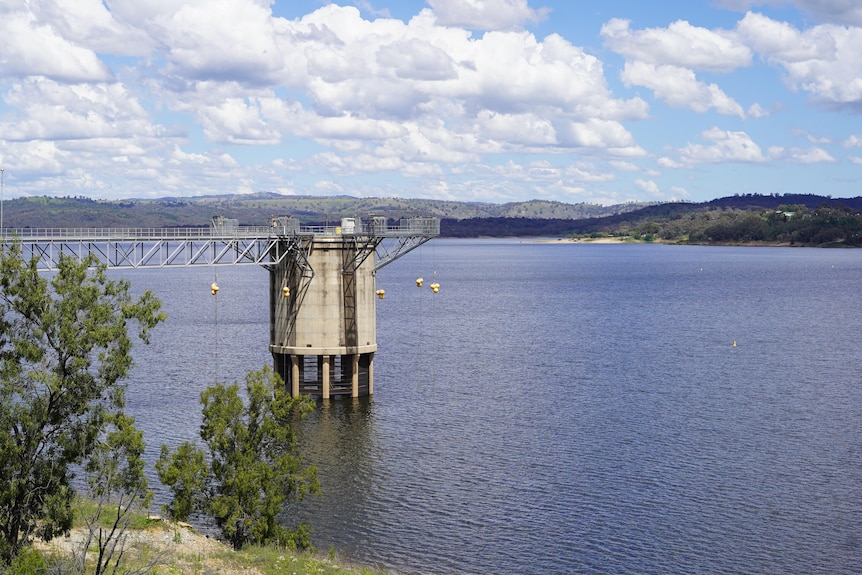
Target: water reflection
{"points": [[338, 437]]}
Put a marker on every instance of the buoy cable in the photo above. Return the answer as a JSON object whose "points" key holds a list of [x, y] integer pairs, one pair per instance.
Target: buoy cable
{"points": [[214, 290]]}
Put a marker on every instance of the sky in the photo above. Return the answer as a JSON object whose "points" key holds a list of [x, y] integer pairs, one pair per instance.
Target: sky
{"points": [[472, 100]]}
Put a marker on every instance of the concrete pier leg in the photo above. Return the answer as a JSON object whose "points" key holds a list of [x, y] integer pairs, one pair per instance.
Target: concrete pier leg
{"points": [[294, 376], [370, 374], [354, 375], [326, 360]]}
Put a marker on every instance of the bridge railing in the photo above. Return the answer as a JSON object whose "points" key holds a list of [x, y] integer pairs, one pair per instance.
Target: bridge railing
{"points": [[406, 227], [30, 234]]}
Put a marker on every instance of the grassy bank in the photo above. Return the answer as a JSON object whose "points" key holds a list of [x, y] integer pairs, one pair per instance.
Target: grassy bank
{"points": [[172, 548]]}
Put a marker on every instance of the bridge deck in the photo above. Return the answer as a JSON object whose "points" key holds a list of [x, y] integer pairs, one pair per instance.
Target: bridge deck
{"points": [[211, 246]]}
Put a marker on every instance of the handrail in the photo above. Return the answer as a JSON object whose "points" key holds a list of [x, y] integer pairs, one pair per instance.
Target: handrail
{"points": [[409, 227], [134, 233]]}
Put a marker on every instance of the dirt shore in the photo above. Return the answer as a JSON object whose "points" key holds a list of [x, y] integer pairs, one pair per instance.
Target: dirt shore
{"points": [[176, 545]]}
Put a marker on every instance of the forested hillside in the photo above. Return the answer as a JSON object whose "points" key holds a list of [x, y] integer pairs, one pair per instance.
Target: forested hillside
{"points": [[789, 219], [827, 225]]}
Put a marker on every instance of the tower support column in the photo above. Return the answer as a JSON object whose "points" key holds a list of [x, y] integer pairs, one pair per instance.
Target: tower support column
{"points": [[294, 376], [354, 375], [371, 373], [325, 363]]}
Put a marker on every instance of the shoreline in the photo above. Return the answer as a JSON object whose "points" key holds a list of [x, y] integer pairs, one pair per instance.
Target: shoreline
{"points": [[629, 240], [609, 240]]}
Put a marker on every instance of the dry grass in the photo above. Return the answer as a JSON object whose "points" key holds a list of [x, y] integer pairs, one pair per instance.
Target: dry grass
{"points": [[177, 549]]}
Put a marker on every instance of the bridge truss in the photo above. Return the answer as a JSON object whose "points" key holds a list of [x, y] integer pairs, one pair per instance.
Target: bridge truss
{"points": [[218, 245]]}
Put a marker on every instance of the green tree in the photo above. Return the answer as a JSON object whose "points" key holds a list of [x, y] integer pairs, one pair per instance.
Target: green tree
{"points": [[65, 349], [118, 487], [251, 466]]}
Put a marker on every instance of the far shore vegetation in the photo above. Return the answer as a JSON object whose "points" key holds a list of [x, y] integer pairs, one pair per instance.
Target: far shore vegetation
{"points": [[789, 225]]}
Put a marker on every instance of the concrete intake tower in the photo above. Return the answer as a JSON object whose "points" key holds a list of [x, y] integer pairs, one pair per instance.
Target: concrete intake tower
{"points": [[323, 297]]}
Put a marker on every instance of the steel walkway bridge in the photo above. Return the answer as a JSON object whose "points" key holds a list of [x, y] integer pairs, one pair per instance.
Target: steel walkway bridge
{"points": [[223, 243], [322, 281]]}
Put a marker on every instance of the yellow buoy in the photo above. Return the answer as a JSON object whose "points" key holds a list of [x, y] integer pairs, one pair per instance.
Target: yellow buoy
{"points": [[380, 293], [435, 287], [734, 343], [214, 288], [285, 291], [419, 282]]}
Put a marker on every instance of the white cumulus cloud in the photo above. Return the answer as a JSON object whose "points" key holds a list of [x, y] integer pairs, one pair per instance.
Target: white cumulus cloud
{"points": [[832, 11], [665, 59], [680, 44], [822, 61], [486, 14], [810, 156], [680, 88], [725, 147], [648, 186], [32, 46], [666, 162], [50, 110]]}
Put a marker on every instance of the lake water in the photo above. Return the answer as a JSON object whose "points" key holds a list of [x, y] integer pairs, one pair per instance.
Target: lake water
{"points": [[565, 408]]}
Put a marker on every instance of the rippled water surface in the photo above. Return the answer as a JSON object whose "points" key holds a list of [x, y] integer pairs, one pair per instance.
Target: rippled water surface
{"points": [[563, 408]]}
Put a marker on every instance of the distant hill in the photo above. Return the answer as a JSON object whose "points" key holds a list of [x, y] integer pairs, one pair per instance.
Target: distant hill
{"points": [[257, 209], [624, 220]]}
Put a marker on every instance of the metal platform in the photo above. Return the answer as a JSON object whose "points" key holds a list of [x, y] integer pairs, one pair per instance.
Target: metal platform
{"points": [[223, 243]]}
